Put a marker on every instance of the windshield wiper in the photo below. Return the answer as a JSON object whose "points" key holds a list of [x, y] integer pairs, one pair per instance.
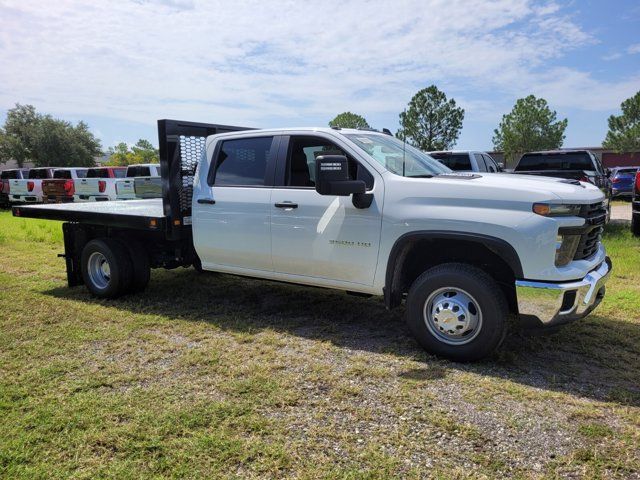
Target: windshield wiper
{"points": [[426, 175]]}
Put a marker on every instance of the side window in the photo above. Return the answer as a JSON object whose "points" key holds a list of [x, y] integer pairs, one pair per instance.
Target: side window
{"points": [[243, 162], [301, 162], [491, 165], [480, 161]]}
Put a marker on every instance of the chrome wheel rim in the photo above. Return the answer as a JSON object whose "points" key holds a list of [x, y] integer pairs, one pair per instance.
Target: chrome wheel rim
{"points": [[452, 316], [99, 270]]}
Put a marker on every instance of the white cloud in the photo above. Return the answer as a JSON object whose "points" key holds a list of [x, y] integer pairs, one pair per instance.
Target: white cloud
{"points": [[633, 49], [244, 62]]}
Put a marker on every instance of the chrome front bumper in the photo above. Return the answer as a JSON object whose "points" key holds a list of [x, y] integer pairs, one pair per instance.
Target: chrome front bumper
{"points": [[557, 303]]}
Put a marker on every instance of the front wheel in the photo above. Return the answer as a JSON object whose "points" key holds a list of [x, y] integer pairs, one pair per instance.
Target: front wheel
{"points": [[457, 311]]}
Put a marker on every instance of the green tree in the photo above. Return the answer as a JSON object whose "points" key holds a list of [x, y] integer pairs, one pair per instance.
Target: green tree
{"points": [[530, 126], [624, 130], [142, 152], [46, 141], [16, 137], [431, 122], [349, 120]]}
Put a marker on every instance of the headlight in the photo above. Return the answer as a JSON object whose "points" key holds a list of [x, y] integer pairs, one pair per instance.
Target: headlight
{"points": [[566, 246], [556, 209]]}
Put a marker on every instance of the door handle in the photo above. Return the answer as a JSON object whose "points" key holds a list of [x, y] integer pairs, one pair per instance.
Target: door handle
{"points": [[286, 205], [208, 201]]}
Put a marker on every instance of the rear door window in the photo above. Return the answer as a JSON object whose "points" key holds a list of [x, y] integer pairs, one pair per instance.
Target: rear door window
{"points": [[242, 162]]}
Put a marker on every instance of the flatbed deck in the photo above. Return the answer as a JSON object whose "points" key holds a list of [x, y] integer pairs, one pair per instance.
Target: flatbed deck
{"points": [[136, 214]]}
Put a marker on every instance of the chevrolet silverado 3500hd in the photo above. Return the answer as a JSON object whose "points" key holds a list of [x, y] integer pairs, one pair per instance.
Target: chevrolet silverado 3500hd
{"points": [[357, 211]]}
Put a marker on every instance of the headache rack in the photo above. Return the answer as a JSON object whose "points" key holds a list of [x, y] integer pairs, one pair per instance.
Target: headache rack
{"points": [[181, 148]]}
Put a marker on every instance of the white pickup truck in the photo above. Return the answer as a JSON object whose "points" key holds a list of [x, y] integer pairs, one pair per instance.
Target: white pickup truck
{"points": [[99, 184], [356, 211], [142, 181], [29, 190]]}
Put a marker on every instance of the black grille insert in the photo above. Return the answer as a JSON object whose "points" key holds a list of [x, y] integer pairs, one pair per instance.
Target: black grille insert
{"points": [[595, 215]]}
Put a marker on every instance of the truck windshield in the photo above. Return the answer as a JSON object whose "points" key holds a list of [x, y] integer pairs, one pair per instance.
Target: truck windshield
{"points": [[391, 153], [555, 161]]}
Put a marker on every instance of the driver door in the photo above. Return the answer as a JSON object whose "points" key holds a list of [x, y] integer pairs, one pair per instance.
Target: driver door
{"points": [[322, 236]]}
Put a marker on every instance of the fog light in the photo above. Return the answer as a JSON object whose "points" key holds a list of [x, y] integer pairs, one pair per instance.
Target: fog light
{"points": [[566, 246]]}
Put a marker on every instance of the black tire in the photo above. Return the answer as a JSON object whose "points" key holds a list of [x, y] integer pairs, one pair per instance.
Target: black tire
{"points": [[488, 300], [120, 269], [141, 268], [635, 224]]}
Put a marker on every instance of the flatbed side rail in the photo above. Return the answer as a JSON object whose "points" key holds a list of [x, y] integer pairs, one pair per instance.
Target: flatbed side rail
{"points": [[181, 146], [119, 220]]}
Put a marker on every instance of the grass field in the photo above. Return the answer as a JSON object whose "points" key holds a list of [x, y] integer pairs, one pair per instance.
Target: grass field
{"points": [[223, 377]]}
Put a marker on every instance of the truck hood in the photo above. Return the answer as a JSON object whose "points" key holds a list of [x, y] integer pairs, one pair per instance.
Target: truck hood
{"points": [[501, 187]]}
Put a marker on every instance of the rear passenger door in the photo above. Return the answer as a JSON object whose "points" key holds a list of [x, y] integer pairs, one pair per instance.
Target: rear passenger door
{"points": [[322, 236], [232, 213]]}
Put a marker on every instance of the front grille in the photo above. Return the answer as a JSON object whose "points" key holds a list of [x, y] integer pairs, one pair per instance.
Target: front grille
{"points": [[595, 215]]}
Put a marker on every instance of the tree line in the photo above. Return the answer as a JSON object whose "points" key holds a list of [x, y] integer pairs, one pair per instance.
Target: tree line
{"points": [[433, 122], [430, 122], [29, 136]]}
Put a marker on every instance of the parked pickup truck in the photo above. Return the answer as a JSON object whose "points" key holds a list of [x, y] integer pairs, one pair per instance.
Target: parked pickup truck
{"points": [[143, 181], [98, 185], [5, 176], [60, 188], [356, 211], [29, 189], [467, 161], [580, 165]]}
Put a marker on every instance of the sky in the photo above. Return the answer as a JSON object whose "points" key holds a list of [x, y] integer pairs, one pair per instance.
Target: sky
{"points": [[121, 65]]}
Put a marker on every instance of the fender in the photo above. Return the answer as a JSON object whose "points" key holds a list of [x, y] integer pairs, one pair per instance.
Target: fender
{"points": [[402, 246]]}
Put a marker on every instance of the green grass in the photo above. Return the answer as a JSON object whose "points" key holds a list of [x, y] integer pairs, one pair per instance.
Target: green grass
{"points": [[223, 377]]}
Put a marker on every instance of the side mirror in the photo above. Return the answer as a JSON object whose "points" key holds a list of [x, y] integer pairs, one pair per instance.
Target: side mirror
{"points": [[501, 165], [332, 177]]}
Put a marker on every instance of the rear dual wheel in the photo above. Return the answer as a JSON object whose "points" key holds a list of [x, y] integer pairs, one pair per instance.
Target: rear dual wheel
{"points": [[111, 268]]}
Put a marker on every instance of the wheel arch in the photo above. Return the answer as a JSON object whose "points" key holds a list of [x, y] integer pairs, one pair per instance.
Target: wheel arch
{"points": [[414, 252]]}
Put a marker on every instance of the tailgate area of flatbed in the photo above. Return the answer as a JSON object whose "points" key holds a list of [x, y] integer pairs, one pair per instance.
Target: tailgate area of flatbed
{"points": [[135, 214]]}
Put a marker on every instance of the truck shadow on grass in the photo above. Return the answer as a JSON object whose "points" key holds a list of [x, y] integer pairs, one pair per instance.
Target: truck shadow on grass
{"points": [[597, 357]]}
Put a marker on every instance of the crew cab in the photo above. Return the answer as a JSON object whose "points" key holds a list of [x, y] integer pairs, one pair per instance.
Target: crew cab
{"points": [[5, 176], [635, 206], [29, 189], [580, 165], [356, 211], [60, 188], [467, 161], [142, 181], [98, 185]]}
